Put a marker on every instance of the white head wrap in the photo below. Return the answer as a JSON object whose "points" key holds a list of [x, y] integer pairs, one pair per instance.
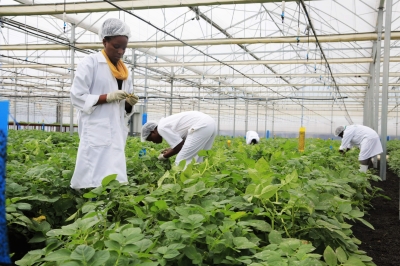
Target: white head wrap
{"points": [[147, 128], [114, 27]]}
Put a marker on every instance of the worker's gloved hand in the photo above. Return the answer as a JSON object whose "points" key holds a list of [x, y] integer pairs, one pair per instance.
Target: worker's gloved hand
{"points": [[165, 150], [116, 96], [161, 157], [132, 99]]}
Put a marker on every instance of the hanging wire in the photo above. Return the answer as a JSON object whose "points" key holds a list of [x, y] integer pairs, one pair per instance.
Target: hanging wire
{"points": [[283, 11], [155, 60], [64, 17], [204, 53], [308, 43], [315, 58], [183, 59]]}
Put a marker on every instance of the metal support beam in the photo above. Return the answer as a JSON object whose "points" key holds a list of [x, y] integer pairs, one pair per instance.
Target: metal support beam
{"points": [[219, 114], [27, 112], [369, 96], [272, 85], [198, 107], [384, 111], [71, 107], [273, 121], [377, 69], [332, 118], [397, 119], [257, 119], [356, 60], [266, 112], [242, 42], [133, 63], [229, 76], [246, 117], [158, 77], [145, 87], [172, 88], [234, 113], [165, 103], [60, 102], [92, 7], [15, 102], [366, 107]]}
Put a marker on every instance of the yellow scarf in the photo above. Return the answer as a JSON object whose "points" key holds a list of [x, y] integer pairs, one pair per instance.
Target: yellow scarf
{"points": [[119, 72]]}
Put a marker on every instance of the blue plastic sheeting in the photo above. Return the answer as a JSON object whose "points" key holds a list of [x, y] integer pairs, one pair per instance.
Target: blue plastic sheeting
{"points": [[144, 118], [4, 251]]}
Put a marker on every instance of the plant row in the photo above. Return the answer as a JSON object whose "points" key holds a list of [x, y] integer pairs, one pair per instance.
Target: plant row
{"points": [[263, 204], [393, 148]]}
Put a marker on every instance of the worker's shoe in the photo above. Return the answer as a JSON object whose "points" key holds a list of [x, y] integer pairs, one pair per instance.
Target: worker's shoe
{"points": [[374, 162], [363, 168]]}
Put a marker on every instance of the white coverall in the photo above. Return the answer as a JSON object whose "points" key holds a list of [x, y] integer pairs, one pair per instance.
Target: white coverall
{"points": [[197, 128], [103, 128], [250, 135], [363, 137]]}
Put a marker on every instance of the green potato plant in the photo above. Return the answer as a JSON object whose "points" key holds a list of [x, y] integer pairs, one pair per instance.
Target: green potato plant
{"points": [[264, 204]]}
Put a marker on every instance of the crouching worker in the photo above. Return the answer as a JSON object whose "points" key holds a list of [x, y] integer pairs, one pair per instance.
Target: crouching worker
{"points": [[252, 137], [187, 133], [363, 137]]}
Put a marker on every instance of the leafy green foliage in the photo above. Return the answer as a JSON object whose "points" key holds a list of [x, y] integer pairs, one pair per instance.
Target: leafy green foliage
{"points": [[393, 148], [263, 204]]}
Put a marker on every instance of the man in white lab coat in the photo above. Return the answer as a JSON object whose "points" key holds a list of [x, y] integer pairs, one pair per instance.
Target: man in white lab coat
{"points": [[187, 133], [252, 137], [102, 93], [363, 137]]}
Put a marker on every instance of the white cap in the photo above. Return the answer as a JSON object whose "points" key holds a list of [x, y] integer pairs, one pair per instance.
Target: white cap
{"points": [[147, 128], [114, 27], [339, 130]]}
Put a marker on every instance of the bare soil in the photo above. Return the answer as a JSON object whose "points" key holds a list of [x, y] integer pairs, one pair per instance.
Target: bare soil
{"points": [[383, 243]]}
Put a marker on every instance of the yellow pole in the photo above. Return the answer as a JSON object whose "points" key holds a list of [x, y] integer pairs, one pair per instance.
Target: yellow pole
{"points": [[302, 139]]}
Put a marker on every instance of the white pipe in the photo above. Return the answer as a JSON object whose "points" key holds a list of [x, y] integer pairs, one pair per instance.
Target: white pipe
{"points": [[50, 78], [271, 62], [92, 7], [216, 63], [9, 62], [357, 37], [67, 85], [288, 75]]}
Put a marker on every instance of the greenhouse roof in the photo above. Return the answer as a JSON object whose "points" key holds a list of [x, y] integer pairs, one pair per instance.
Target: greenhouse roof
{"points": [[215, 56]]}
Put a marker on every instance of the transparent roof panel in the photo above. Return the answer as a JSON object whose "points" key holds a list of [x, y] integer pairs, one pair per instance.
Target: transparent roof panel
{"points": [[235, 50]]}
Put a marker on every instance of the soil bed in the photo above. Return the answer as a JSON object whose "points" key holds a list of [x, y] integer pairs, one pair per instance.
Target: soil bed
{"points": [[383, 243]]}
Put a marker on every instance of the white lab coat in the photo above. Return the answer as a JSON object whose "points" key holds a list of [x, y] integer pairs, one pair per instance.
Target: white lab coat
{"points": [[198, 130], [363, 137], [250, 135], [103, 128]]}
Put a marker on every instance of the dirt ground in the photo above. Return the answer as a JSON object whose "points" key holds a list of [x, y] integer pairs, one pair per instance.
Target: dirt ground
{"points": [[383, 243]]}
